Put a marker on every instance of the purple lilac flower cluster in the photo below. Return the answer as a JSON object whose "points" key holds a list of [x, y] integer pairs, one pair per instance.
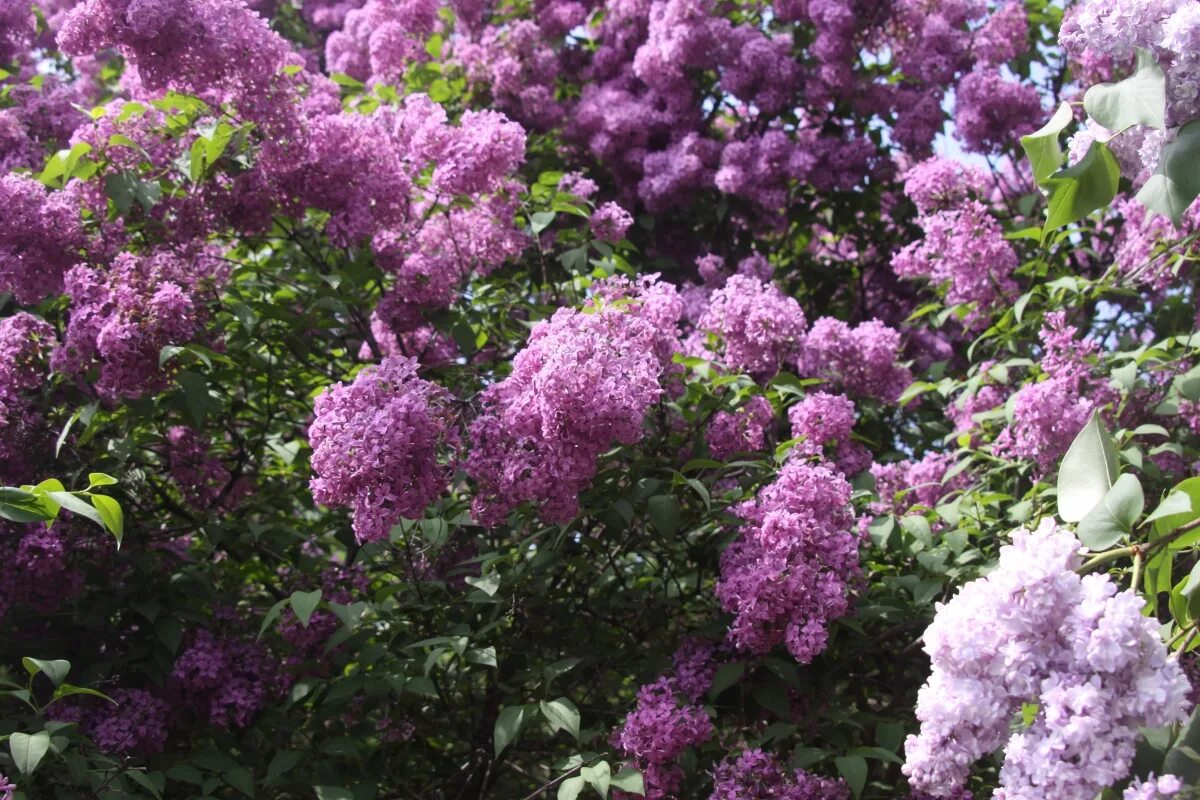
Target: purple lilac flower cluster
{"points": [[1034, 631], [789, 572], [740, 431], [758, 775], [377, 445], [760, 329], [584, 380], [825, 421], [225, 680]]}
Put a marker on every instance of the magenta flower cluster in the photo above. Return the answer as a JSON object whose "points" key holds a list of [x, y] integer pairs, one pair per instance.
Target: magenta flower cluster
{"points": [[757, 775], [584, 381], [377, 445], [741, 431], [1035, 632], [790, 571]]}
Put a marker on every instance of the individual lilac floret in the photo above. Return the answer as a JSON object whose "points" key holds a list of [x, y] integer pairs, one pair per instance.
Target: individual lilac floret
{"points": [[741, 431], [1153, 788], [1035, 632], [756, 775], [584, 380], [376, 443], [610, 222], [759, 327], [788, 573]]}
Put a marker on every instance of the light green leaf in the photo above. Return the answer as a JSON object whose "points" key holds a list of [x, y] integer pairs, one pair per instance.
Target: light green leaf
{"points": [[272, 615], [333, 793], [110, 515], [1087, 472], [1140, 99], [1171, 190], [599, 776], [488, 584], [1114, 516], [562, 715], [76, 504], [304, 604], [508, 725], [28, 750], [1042, 147], [1079, 190], [629, 780], [1175, 504], [100, 479], [55, 670], [571, 788]]}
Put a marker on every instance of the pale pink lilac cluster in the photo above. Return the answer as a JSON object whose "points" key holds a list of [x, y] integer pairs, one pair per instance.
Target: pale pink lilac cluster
{"points": [[758, 775], [824, 422], [225, 680], [860, 360], [1148, 250], [1048, 414], [1035, 631], [964, 249], [759, 329], [1170, 31], [378, 444], [741, 431], [789, 572], [584, 381], [1152, 788]]}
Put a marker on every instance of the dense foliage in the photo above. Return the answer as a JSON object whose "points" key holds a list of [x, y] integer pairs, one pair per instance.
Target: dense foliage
{"points": [[731, 399]]}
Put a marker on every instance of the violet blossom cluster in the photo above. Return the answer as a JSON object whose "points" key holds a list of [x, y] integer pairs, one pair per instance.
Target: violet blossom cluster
{"points": [[758, 775], [42, 570], [823, 422], [789, 572], [377, 445], [904, 485], [137, 724], [862, 360], [25, 345], [1034, 631], [40, 236], [759, 328], [225, 680], [204, 481], [585, 380], [741, 431], [1152, 788], [965, 249], [1047, 415]]}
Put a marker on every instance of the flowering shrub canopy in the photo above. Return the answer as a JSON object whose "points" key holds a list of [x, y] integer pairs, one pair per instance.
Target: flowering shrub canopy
{"points": [[728, 399]]}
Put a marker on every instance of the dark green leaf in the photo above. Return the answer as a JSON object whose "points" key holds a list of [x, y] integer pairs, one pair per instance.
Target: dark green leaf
{"points": [[508, 725]]}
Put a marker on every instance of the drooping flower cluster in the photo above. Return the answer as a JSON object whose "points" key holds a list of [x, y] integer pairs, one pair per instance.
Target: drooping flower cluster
{"points": [[657, 732], [757, 775], [859, 361], [40, 235], [759, 328], [377, 444], [584, 381], [137, 723], [991, 111], [1153, 788], [1048, 414], [788, 573], [225, 680], [25, 343], [965, 249], [824, 421], [1034, 631], [42, 565], [610, 222], [740, 431], [903, 485]]}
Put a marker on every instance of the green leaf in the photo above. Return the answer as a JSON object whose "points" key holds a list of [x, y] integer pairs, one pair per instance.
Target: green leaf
{"points": [[304, 604], [67, 690], [571, 788], [854, 770], [1140, 99], [664, 513], [1114, 516], [562, 715], [28, 750], [599, 776], [726, 675], [281, 763], [77, 505], [1042, 147], [110, 515], [333, 793], [1079, 190], [55, 670], [629, 780], [1176, 504], [1171, 190], [272, 615], [508, 725], [488, 584], [153, 782], [541, 220], [1087, 472], [1193, 582], [241, 779], [100, 479]]}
